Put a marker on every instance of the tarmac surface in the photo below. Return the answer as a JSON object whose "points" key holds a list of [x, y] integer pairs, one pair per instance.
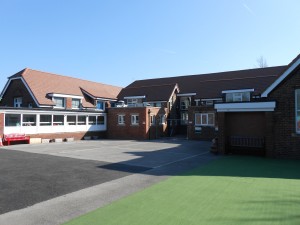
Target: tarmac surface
{"points": [[50, 184]]}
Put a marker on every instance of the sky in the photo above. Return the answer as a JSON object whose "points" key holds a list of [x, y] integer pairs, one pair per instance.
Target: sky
{"points": [[116, 41]]}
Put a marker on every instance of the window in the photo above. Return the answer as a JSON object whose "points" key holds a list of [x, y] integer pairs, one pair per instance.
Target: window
{"points": [[59, 102], [71, 120], [92, 120], [18, 102], [12, 120], [238, 97], [121, 119], [162, 119], [185, 102], [100, 120], [100, 105], [45, 120], [298, 111], [152, 119], [58, 120], [134, 102], [134, 119], [75, 103], [81, 120], [184, 117], [29, 120], [204, 119]]}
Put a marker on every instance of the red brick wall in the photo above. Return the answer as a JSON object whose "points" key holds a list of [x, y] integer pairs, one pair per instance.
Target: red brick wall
{"points": [[128, 131], [75, 135], [207, 132], [1, 124], [68, 103], [286, 141], [17, 89]]}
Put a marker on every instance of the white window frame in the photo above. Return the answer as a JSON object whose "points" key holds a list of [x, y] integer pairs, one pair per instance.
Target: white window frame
{"points": [[135, 119], [152, 120], [297, 111], [18, 102], [185, 102], [64, 102], [206, 115], [184, 117], [121, 119], [162, 119], [77, 100]]}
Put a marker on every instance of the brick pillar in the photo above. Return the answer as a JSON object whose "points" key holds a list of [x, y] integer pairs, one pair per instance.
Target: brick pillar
{"points": [[221, 133], [68, 103], [1, 124]]}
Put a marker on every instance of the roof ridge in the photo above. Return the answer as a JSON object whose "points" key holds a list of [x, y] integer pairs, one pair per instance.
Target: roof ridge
{"points": [[27, 69], [154, 85], [217, 73]]}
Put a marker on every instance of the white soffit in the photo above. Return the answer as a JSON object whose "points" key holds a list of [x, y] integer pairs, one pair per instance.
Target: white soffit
{"points": [[134, 97], [237, 91], [246, 107]]}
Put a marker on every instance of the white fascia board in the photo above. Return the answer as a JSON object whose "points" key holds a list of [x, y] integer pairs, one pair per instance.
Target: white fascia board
{"points": [[237, 91], [107, 99], [280, 79], [175, 88], [186, 94], [132, 97], [246, 107], [209, 99], [65, 96], [50, 112]]}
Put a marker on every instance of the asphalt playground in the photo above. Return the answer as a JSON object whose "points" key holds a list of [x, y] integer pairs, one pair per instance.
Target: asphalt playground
{"points": [[53, 183]]}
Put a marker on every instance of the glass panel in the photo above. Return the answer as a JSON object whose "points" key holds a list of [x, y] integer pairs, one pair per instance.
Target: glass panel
{"points": [[71, 120], [210, 119], [58, 120], [45, 120], [246, 96], [100, 105], [29, 120], [92, 120], [121, 119], [12, 120], [204, 119], [298, 122], [100, 120], [229, 97], [298, 99], [81, 120], [59, 102], [75, 103]]}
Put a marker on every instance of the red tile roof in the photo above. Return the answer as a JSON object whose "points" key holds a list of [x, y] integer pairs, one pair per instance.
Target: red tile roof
{"points": [[152, 92], [43, 83], [212, 85]]}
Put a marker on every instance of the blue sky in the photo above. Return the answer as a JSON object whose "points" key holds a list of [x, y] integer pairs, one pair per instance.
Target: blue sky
{"points": [[117, 41]]}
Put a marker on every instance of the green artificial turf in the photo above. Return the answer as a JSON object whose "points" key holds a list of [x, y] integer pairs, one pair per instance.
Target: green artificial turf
{"points": [[232, 190]]}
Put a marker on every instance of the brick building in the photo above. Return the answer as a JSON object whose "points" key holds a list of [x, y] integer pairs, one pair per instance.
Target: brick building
{"points": [[45, 105], [255, 111]]}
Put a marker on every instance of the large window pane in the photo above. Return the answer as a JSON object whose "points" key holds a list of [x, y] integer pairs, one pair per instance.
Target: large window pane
{"points": [[75, 103], [81, 120], [100, 120], [71, 120], [59, 102], [92, 120], [58, 120], [45, 120], [12, 120], [29, 120]]}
